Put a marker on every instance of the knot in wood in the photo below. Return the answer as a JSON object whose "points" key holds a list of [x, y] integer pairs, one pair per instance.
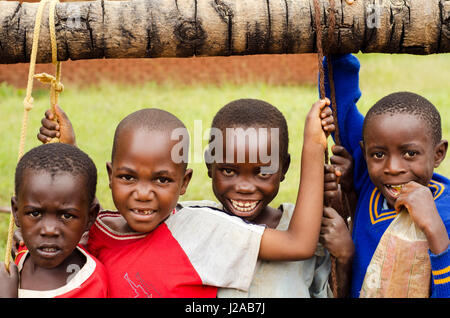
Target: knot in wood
{"points": [[190, 32]]}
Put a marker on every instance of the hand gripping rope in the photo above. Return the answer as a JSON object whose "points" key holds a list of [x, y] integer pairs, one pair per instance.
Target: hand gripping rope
{"points": [[320, 54], [55, 89]]}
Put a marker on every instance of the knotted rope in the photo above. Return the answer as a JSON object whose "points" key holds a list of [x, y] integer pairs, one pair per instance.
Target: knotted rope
{"points": [[55, 88]]}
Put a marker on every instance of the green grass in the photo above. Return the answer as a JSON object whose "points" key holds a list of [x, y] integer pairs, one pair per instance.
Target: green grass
{"points": [[95, 111]]}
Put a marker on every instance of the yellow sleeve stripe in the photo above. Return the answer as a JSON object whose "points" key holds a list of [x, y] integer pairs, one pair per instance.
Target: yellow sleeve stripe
{"points": [[441, 271], [21, 252], [442, 281]]}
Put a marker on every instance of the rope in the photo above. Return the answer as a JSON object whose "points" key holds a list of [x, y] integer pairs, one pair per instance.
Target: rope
{"points": [[56, 88], [322, 92], [320, 53]]}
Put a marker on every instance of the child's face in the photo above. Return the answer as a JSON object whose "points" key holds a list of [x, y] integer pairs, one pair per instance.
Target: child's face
{"points": [[145, 182], [242, 188], [399, 148], [53, 213]]}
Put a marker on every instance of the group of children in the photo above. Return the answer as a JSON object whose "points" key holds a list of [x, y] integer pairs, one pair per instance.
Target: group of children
{"points": [[153, 245]]}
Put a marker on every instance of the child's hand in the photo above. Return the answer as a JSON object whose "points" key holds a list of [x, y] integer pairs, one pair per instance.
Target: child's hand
{"points": [[319, 123], [9, 282], [327, 119], [343, 162], [332, 189], [419, 202], [335, 236], [17, 242], [62, 129]]}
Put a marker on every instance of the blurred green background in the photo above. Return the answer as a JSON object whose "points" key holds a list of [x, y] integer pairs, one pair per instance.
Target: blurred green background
{"points": [[96, 110]]}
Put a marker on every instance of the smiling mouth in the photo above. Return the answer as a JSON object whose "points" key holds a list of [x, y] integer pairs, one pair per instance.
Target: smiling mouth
{"points": [[394, 189], [244, 206], [142, 211]]}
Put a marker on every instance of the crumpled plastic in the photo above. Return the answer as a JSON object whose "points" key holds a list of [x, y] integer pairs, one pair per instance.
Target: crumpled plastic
{"points": [[400, 266]]}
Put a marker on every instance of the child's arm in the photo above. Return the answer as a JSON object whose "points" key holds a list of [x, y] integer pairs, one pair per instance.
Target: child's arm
{"points": [[350, 120], [335, 237], [334, 233], [419, 202], [9, 281], [61, 129], [301, 238]]}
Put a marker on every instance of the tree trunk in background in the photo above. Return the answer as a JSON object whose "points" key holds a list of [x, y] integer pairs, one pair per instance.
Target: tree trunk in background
{"points": [[184, 28]]}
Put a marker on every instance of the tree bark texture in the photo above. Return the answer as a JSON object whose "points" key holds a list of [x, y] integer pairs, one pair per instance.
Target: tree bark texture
{"points": [[184, 28]]}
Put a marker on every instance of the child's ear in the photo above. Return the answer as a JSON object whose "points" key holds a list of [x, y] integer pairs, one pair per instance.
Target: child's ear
{"points": [[440, 151], [14, 209], [285, 167], [186, 179], [93, 212], [109, 169]]}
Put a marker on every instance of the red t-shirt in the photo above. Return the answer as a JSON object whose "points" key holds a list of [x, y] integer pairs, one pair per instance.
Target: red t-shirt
{"points": [[188, 255], [90, 281]]}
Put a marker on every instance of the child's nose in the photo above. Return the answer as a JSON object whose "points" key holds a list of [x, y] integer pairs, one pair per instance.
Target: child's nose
{"points": [[244, 186], [144, 192], [394, 165], [49, 227]]}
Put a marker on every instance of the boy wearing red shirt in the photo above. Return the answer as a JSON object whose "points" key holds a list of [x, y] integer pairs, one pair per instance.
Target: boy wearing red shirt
{"points": [[153, 247], [53, 206]]}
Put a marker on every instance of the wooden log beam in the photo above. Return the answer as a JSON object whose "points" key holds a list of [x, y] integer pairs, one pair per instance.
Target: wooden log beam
{"points": [[5, 209], [184, 28]]}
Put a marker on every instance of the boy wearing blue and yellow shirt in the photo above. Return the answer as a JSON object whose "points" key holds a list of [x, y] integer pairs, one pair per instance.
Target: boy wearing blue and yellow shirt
{"points": [[395, 149]]}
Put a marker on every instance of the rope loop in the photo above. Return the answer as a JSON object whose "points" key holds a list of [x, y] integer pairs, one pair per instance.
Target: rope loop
{"points": [[51, 80], [28, 104]]}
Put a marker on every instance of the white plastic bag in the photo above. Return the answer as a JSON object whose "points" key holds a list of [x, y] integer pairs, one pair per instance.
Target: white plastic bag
{"points": [[400, 266]]}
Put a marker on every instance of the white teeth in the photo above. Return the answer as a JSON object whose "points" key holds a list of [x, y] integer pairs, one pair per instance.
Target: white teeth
{"points": [[244, 206]]}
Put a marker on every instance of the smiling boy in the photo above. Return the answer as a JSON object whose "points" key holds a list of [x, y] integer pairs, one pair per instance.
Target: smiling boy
{"points": [[395, 148], [242, 186], [247, 158], [153, 247]]}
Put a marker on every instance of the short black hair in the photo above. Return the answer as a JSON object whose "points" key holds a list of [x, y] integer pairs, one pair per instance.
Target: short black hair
{"points": [[56, 158], [248, 112], [408, 103], [150, 119]]}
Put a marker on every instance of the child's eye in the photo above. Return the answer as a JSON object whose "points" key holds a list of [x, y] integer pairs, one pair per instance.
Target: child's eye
{"points": [[378, 155], [34, 214], [228, 172], [126, 177], [264, 175], [410, 154], [163, 180], [67, 216]]}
